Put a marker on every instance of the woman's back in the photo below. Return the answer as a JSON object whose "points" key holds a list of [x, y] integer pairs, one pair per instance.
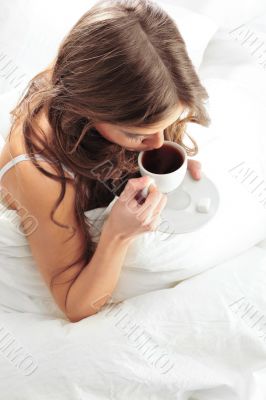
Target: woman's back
{"points": [[23, 287], [30, 195]]}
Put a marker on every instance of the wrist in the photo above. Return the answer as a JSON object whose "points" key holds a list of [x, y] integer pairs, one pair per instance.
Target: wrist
{"points": [[109, 232]]}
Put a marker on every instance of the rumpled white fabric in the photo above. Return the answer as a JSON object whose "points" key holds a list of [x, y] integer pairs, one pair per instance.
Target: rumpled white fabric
{"points": [[203, 339]]}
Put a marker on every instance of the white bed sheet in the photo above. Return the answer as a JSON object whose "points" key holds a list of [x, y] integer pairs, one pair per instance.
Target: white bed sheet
{"points": [[203, 339]]}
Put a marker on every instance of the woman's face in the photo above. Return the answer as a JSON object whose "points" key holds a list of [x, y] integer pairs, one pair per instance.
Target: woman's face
{"points": [[138, 139]]}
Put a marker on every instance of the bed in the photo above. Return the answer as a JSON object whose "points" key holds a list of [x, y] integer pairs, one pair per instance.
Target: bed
{"points": [[203, 337]]}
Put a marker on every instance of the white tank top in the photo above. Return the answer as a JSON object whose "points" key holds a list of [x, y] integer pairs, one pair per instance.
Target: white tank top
{"points": [[23, 157]]}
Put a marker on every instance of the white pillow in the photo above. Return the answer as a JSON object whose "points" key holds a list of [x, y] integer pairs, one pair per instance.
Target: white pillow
{"points": [[196, 38], [243, 52], [8, 101], [235, 135], [33, 31], [225, 13], [152, 263]]}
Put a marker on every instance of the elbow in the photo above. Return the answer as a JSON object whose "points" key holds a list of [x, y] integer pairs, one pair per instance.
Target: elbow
{"points": [[77, 312], [76, 317], [72, 318]]}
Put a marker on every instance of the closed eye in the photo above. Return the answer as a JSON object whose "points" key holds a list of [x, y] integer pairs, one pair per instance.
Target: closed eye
{"points": [[135, 138]]}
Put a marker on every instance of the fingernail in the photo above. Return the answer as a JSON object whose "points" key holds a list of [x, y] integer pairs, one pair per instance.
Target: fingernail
{"points": [[198, 174]]}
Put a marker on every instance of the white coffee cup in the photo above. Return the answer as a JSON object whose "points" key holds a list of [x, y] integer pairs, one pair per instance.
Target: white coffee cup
{"points": [[170, 181]]}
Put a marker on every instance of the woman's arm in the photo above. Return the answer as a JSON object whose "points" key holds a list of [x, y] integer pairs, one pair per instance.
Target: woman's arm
{"points": [[127, 219], [97, 281]]}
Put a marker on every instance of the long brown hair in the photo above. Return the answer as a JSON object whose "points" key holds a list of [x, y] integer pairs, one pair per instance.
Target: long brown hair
{"points": [[123, 62]]}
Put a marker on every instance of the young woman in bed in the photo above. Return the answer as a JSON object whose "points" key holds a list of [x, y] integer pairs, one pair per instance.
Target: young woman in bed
{"points": [[122, 82]]}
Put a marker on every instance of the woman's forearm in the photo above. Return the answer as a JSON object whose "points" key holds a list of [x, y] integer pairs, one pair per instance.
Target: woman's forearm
{"points": [[98, 279]]}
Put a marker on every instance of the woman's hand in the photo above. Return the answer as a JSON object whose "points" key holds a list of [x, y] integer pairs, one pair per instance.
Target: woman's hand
{"points": [[194, 167], [128, 218]]}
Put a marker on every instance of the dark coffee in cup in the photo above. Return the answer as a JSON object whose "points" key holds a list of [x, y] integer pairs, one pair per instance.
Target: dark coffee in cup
{"points": [[164, 160]]}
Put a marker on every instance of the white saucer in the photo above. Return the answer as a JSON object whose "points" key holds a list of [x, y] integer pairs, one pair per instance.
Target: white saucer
{"points": [[180, 214]]}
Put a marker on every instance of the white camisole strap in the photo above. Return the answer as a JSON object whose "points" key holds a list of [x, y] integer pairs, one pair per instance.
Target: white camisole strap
{"points": [[23, 157]]}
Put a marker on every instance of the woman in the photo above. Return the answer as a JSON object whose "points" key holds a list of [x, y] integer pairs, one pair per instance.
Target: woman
{"points": [[121, 82]]}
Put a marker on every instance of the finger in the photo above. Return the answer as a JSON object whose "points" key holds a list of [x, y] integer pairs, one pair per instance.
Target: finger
{"points": [[161, 205], [152, 224], [150, 206], [131, 200], [133, 186], [143, 194], [194, 167], [137, 207], [156, 222], [158, 209]]}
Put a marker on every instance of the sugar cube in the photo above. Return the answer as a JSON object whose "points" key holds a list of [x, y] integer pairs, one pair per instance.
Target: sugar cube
{"points": [[203, 205]]}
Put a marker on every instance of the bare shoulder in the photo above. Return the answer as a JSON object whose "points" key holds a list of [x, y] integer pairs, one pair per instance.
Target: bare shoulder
{"points": [[28, 185], [14, 146], [24, 176]]}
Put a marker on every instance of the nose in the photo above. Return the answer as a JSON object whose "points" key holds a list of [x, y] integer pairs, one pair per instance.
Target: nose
{"points": [[155, 141]]}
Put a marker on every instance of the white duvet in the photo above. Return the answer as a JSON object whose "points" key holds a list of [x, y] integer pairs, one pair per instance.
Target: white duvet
{"points": [[203, 339]]}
